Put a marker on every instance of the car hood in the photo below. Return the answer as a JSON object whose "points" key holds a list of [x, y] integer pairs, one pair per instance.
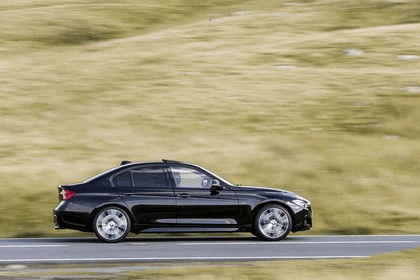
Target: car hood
{"points": [[272, 191], [262, 189]]}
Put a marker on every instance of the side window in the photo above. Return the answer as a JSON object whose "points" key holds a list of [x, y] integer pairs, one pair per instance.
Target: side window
{"points": [[185, 177], [148, 177], [123, 180]]}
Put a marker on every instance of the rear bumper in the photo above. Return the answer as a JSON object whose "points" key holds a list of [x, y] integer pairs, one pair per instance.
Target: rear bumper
{"points": [[66, 216], [56, 222]]}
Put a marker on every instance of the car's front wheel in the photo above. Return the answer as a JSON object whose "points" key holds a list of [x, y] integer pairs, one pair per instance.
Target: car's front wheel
{"points": [[111, 224], [273, 222]]}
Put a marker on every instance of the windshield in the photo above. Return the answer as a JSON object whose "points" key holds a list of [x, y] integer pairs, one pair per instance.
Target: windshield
{"points": [[217, 177]]}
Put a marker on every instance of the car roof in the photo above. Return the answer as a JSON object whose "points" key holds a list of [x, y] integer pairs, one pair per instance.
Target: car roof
{"points": [[125, 162]]}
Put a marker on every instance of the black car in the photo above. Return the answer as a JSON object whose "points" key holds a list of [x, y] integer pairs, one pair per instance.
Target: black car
{"points": [[172, 196]]}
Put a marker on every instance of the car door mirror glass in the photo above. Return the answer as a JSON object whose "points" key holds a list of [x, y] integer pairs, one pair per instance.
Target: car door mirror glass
{"points": [[215, 186]]}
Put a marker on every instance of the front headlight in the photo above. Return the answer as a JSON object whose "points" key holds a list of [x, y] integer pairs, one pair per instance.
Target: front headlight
{"points": [[302, 203]]}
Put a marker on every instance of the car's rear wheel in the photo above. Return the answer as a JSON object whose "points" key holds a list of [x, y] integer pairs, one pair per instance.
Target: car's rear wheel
{"points": [[273, 222], [111, 224]]}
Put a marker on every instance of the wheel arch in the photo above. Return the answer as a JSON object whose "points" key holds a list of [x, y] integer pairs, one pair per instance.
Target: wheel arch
{"points": [[268, 202], [99, 208]]}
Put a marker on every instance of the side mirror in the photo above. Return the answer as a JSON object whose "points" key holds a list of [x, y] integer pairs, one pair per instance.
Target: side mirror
{"points": [[215, 186]]}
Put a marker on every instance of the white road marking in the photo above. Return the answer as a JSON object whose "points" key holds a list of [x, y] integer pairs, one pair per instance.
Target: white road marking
{"points": [[181, 259], [294, 243], [31, 246]]}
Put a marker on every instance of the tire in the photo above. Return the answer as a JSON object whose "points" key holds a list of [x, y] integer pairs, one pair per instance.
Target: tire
{"points": [[111, 224], [254, 232], [273, 222]]}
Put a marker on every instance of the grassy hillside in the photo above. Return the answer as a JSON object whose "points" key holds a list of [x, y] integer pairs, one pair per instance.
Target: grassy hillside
{"points": [[319, 97]]}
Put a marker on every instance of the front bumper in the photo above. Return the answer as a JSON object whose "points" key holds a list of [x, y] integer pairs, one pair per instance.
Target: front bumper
{"points": [[303, 220]]}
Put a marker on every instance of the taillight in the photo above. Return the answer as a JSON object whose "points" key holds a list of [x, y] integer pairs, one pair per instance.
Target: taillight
{"points": [[67, 194]]}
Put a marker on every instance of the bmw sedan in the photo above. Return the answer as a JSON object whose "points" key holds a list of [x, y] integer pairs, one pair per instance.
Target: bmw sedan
{"points": [[172, 196]]}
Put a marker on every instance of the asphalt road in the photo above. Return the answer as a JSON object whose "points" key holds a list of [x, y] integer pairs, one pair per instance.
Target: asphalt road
{"points": [[225, 248]]}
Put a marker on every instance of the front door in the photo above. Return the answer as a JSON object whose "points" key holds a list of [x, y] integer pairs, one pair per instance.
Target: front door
{"points": [[197, 205]]}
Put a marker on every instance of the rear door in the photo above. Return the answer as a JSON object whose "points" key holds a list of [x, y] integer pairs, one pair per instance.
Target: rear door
{"points": [[147, 192]]}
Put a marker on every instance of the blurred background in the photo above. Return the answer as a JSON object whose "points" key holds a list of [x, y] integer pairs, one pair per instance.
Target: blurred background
{"points": [[320, 97]]}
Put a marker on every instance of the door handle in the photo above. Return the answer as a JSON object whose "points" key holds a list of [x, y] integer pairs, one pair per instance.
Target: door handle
{"points": [[127, 193], [183, 195]]}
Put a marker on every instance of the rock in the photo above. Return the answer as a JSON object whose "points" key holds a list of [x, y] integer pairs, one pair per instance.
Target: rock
{"points": [[407, 57], [412, 89], [363, 104], [240, 13], [391, 137], [285, 66], [353, 52], [280, 14], [16, 266]]}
